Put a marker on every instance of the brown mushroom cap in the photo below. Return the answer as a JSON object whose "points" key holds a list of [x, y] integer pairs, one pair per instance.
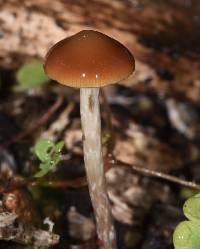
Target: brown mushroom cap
{"points": [[89, 59]]}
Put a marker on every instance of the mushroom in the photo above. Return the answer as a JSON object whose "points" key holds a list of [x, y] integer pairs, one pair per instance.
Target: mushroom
{"points": [[89, 60]]}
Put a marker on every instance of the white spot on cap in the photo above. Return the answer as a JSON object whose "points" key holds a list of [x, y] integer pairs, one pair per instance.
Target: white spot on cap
{"points": [[83, 75]]}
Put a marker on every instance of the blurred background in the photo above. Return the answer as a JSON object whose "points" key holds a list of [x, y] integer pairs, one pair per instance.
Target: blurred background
{"points": [[149, 121]]}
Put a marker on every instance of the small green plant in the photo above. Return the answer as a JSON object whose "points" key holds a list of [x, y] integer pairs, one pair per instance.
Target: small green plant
{"points": [[187, 233], [49, 154], [31, 75]]}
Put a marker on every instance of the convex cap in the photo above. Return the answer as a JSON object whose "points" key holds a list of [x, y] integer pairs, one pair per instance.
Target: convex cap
{"points": [[89, 59]]}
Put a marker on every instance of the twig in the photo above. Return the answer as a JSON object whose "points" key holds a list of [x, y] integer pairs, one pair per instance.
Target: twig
{"points": [[21, 182], [152, 173], [110, 160], [59, 124], [43, 119], [81, 181]]}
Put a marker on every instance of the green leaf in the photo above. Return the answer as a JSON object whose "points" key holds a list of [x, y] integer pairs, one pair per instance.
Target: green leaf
{"points": [[31, 75], [44, 169], [187, 235], [191, 208], [49, 154], [43, 148], [58, 147], [186, 193]]}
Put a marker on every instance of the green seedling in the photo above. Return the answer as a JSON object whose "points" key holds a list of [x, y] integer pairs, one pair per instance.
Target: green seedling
{"points": [[31, 75], [187, 233], [49, 154]]}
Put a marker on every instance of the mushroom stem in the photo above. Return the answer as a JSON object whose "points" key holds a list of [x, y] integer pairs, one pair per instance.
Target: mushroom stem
{"points": [[91, 127]]}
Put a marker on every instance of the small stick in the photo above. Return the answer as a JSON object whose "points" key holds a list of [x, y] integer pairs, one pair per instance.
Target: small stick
{"points": [[43, 119], [152, 173], [81, 181]]}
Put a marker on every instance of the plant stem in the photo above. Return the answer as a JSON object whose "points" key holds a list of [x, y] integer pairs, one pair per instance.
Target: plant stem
{"points": [[91, 126]]}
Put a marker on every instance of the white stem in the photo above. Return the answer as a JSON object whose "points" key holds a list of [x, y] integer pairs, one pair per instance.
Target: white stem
{"points": [[91, 126]]}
